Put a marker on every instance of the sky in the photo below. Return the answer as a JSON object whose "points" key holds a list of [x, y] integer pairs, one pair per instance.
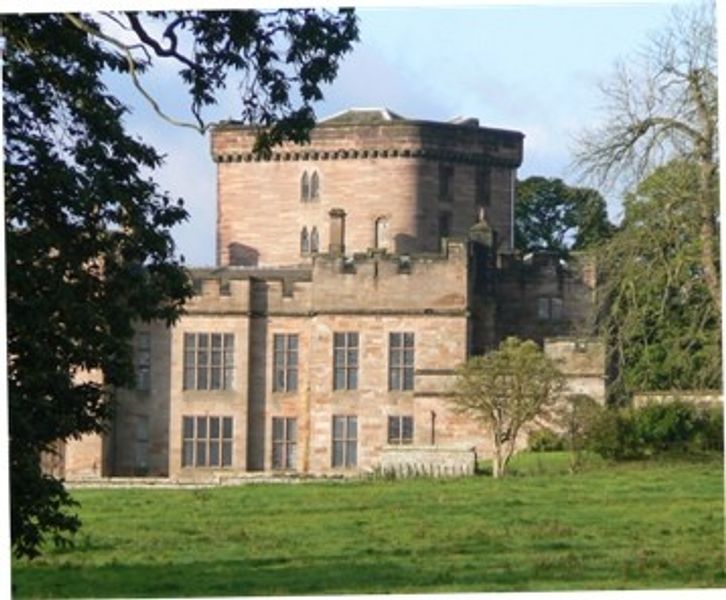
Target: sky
{"points": [[533, 67]]}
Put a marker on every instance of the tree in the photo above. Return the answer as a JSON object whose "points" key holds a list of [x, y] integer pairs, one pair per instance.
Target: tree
{"points": [[552, 216], [662, 106], [660, 323], [89, 248], [575, 416], [505, 390]]}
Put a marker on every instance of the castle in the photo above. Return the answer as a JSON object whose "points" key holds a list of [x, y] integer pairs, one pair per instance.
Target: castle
{"points": [[354, 274]]}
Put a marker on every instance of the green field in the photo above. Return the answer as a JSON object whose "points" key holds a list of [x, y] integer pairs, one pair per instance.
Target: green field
{"points": [[644, 525]]}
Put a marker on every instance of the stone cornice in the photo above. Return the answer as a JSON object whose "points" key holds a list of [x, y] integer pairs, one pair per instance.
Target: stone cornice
{"points": [[308, 154]]}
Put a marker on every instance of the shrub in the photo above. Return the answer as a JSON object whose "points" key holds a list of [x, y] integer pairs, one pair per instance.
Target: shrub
{"points": [[545, 440], [654, 429]]}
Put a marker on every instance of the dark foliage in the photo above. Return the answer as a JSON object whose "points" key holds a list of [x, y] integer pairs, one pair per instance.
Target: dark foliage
{"points": [[656, 429], [89, 249], [555, 217]]}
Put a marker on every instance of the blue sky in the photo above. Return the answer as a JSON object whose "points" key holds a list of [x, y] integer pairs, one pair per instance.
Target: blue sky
{"points": [[533, 68]]}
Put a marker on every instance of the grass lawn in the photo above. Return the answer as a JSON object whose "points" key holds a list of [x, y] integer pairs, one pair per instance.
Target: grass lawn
{"points": [[640, 525]]}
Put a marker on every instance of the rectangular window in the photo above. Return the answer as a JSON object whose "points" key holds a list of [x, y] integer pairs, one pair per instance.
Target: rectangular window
{"points": [[345, 361], [444, 225], [207, 441], [284, 362], [208, 361], [549, 309], [400, 360], [446, 183], [400, 430], [142, 359], [345, 441], [284, 443]]}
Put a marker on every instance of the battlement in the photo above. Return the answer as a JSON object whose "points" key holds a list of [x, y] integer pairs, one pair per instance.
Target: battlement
{"points": [[362, 283]]}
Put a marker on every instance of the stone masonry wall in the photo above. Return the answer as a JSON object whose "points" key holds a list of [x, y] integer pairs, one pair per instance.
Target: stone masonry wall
{"points": [[372, 172]]}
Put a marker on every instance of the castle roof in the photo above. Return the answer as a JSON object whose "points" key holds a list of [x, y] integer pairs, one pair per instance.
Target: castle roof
{"points": [[362, 116]]}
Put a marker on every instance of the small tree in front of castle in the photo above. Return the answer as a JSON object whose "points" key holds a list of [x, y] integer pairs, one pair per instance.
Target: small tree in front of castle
{"points": [[505, 390]]}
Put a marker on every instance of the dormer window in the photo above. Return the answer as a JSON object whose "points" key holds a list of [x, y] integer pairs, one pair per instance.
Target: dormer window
{"points": [[305, 241], [310, 187]]}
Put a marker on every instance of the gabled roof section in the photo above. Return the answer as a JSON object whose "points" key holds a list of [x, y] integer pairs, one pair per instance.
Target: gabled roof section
{"points": [[362, 116]]}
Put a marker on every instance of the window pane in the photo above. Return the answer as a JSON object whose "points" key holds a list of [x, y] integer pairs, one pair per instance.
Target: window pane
{"points": [[353, 357], [337, 454], [290, 458], [407, 429], [216, 378], [292, 358], [395, 358], [279, 383], [188, 427], [188, 454], [229, 341], [352, 379], [202, 383], [292, 430], [339, 380], [189, 378], [351, 456], [352, 427], [292, 342], [228, 378], [189, 339], [292, 380], [226, 454], [201, 427], [214, 427], [338, 428], [394, 430], [408, 357], [556, 308], [353, 339], [338, 340], [216, 357], [201, 454], [279, 342], [213, 454], [227, 427], [278, 429], [339, 358], [216, 340], [203, 340], [277, 455], [395, 379], [408, 379], [408, 339], [395, 340]]}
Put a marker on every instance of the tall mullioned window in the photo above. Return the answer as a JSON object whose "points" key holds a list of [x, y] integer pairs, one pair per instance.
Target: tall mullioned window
{"points": [[345, 441], [305, 187], [304, 241], [345, 360], [208, 361], [314, 186], [314, 240], [284, 443], [284, 362], [142, 359], [207, 441], [400, 360]]}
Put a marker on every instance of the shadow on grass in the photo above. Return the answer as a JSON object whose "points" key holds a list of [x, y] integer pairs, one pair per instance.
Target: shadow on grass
{"points": [[266, 576]]}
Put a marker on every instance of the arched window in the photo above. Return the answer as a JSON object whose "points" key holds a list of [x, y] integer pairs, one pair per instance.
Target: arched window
{"points": [[314, 240], [304, 241], [315, 186], [305, 187]]}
